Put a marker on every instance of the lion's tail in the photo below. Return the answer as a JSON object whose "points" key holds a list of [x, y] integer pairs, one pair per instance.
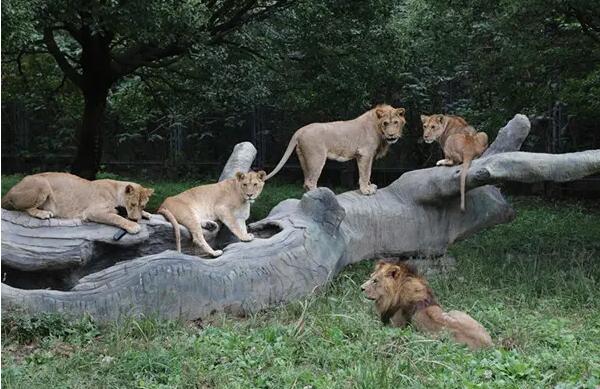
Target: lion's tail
{"points": [[171, 218], [286, 156], [467, 158]]}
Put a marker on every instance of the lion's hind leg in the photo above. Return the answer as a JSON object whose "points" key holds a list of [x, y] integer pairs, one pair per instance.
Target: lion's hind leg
{"points": [[194, 226], [312, 166], [29, 195], [467, 330]]}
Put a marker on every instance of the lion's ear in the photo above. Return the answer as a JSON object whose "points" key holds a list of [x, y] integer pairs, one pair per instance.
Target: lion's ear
{"points": [[379, 264], [400, 111], [240, 176], [148, 191], [262, 175], [129, 189], [393, 272], [379, 112], [424, 118], [441, 118]]}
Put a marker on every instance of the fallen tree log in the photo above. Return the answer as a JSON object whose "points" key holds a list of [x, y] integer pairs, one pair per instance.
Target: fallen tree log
{"points": [[56, 253], [303, 243]]}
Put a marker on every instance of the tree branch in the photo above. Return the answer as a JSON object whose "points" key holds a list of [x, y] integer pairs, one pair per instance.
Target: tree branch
{"points": [[586, 24], [246, 13], [60, 58], [146, 55]]}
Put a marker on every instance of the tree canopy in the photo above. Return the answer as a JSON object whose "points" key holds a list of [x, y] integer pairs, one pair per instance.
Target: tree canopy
{"points": [[79, 64]]}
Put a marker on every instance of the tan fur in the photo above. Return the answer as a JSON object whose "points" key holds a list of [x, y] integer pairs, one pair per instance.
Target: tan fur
{"points": [[227, 201], [365, 138], [402, 296], [64, 195], [461, 143]]}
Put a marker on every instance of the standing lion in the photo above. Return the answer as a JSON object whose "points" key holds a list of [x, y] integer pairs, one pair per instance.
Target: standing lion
{"points": [[365, 138]]}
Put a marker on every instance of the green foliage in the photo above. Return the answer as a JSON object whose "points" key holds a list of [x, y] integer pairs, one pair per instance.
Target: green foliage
{"points": [[538, 297], [315, 61], [8, 181]]}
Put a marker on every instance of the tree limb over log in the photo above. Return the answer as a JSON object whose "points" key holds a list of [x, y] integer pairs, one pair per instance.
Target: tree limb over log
{"points": [[303, 243]]}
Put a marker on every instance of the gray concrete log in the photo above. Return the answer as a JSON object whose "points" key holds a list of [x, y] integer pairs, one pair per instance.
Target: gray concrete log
{"points": [[303, 243], [69, 248]]}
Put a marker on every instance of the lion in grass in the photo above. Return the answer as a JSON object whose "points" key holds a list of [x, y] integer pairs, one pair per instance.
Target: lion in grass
{"points": [[461, 143], [402, 296], [365, 139], [64, 195], [228, 201]]}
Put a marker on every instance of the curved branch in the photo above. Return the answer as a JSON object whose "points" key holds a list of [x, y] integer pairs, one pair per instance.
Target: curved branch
{"points": [[146, 55], [60, 58]]}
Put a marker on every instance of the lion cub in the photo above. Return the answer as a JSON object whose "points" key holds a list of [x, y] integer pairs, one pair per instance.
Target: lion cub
{"points": [[228, 201], [402, 296], [64, 195], [461, 143], [365, 139]]}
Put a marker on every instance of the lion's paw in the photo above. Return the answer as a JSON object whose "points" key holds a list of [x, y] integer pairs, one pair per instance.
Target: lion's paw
{"points": [[444, 162], [134, 229], [248, 238], [369, 190], [217, 253], [46, 214]]}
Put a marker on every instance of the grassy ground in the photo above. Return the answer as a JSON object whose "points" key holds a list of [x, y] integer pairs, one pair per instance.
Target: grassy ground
{"points": [[534, 283]]}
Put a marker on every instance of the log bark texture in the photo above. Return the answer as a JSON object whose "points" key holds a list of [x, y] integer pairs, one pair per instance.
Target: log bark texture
{"points": [[303, 243], [58, 252]]}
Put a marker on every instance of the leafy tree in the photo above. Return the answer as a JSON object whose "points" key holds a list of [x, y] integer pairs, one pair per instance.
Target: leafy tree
{"points": [[96, 44]]}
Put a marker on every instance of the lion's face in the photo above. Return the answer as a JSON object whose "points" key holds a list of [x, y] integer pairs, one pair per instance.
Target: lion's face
{"points": [[390, 122], [383, 283], [433, 127], [136, 198], [251, 184]]}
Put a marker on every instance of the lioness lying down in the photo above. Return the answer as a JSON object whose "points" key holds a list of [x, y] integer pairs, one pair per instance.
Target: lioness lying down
{"points": [[64, 195], [365, 138], [228, 201], [402, 296]]}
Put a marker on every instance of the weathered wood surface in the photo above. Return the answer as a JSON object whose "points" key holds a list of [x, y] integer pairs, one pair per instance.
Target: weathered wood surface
{"points": [[69, 248], [303, 243]]}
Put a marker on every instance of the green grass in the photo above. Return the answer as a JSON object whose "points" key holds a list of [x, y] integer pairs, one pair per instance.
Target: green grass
{"points": [[533, 283]]}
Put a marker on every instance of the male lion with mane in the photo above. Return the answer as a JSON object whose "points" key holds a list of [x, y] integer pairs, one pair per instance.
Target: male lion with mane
{"points": [[402, 296], [365, 139], [64, 195]]}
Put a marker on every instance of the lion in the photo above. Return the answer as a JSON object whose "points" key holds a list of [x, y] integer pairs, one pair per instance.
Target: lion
{"points": [[228, 201], [63, 195], [402, 296], [461, 143], [365, 138]]}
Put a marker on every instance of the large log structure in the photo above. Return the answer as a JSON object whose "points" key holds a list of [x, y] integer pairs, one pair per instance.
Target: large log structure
{"points": [[300, 246]]}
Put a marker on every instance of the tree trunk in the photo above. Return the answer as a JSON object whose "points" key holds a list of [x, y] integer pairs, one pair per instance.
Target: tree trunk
{"points": [[96, 82], [90, 134], [303, 243]]}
